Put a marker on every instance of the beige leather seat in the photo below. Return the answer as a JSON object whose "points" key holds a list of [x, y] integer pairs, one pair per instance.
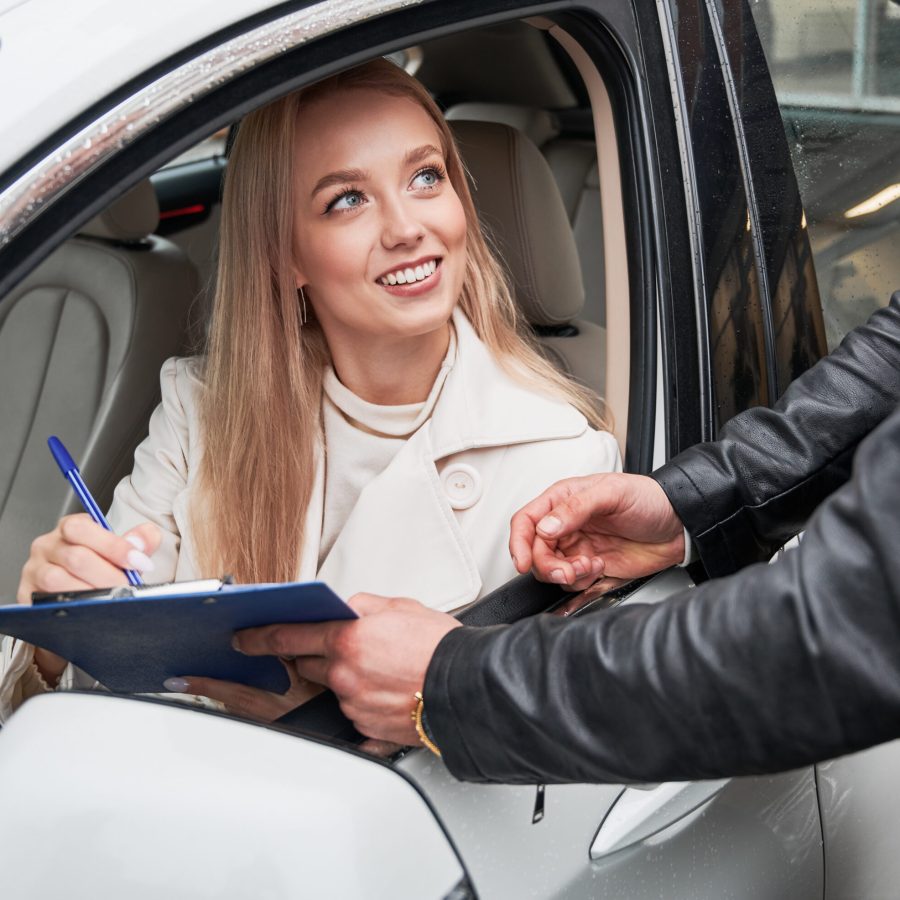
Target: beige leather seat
{"points": [[573, 162], [82, 339], [520, 206], [574, 166]]}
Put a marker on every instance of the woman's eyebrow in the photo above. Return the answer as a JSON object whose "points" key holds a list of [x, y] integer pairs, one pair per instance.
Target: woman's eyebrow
{"points": [[420, 153], [342, 176]]}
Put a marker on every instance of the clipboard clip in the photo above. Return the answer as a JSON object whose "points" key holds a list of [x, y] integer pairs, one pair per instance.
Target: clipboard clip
{"points": [[132, 592]]}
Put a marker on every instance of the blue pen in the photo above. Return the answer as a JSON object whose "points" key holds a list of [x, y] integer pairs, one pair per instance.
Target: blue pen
{"points": [[73, 476]]}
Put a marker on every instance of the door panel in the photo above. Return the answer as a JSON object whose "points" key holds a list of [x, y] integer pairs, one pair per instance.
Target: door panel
{"points": [[746, 837], [859, 796]]}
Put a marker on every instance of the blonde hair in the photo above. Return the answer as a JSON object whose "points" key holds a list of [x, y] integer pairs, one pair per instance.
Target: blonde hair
{"points": [[261, 407]]}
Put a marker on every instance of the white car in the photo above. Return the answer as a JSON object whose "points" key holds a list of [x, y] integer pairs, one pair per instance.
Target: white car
{"points": [[660, 124]]}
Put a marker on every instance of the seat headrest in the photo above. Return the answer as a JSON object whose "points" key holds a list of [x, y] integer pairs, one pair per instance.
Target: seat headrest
{"points": [[520, 207], [537, 124], [130, 218]]}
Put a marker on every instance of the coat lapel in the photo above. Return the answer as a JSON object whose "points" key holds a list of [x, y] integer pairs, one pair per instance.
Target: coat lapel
{"points": [[402, 537], [482, 406]]}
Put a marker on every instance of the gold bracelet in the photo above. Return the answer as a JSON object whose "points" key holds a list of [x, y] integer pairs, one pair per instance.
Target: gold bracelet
{"points": [[416, 716]]}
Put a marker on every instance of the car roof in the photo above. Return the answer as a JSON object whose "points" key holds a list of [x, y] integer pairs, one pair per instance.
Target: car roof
{"points": [[61, 57]]}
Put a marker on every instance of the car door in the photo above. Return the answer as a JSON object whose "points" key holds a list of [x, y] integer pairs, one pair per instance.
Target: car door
{"points": [[835, 69]]}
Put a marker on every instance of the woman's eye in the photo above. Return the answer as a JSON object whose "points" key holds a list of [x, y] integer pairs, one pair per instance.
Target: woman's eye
{"points": [[347, 200], [427, 178]]}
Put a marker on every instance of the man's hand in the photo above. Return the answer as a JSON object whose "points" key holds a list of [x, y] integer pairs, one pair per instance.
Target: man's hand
{"points": [[374, 664], [618, 525]]}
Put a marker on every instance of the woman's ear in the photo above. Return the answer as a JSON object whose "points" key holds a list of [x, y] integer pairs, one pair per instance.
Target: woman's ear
{"points": [[299, 277]]}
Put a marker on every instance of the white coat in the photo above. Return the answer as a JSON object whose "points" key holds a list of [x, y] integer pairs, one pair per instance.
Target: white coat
{"points": [[434, 525]]}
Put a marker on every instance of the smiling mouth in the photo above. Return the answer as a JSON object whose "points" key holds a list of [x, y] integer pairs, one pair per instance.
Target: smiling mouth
{"points": [[411, 274]]}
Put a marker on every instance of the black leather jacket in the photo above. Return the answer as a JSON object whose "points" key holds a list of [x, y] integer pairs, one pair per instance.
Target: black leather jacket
{"points": [[778, 666]]}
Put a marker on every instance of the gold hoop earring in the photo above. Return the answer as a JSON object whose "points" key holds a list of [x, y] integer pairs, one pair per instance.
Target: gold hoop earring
{"points": [[302, 295]]}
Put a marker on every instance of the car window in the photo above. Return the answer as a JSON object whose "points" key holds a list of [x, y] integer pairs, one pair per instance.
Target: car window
{"points": [[209, 148], [181, 248], [836, 69]]}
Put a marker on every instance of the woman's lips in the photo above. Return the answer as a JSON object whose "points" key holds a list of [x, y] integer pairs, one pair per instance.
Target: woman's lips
{"points": [[415, 288]]}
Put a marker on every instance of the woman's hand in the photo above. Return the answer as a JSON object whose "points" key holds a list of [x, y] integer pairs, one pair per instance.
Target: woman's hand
{"points": [[249, 702], [78, 555]]}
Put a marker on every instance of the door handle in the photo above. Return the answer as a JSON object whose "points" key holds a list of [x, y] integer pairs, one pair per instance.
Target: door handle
{"points": [[639, 814]]}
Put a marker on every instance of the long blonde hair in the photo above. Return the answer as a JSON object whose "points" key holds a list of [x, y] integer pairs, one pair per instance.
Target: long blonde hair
{"points": [[261, 407]]}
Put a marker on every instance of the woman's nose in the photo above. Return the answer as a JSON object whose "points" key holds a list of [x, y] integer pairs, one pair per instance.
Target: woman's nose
{"points": [[400, 225]]}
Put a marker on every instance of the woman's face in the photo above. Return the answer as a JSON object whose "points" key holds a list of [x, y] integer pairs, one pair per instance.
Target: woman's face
{"points": [[379, 231]]}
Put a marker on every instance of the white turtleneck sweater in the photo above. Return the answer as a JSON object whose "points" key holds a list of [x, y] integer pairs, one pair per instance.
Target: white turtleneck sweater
{"points": [[361, 439]]}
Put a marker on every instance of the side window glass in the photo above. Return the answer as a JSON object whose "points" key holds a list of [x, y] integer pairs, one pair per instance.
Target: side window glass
{"points": [[836, 69], [213, 146]]}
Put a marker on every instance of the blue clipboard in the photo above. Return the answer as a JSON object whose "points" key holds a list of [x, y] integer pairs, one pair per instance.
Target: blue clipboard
{"points": [[132, 639]]}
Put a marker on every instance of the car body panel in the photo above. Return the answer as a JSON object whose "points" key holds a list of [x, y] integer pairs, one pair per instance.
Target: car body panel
{"points": [[149, 799], [71, 55], [858, 799], [745, 837]]}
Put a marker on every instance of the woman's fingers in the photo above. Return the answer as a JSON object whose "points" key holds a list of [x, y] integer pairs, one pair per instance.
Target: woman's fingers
{"points": [[120, 552], [85, 565], [40, 576], [80, 554], [145, 537]]}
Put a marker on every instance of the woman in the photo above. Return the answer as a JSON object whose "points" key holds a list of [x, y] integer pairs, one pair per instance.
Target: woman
{"points": [[367, 411]]}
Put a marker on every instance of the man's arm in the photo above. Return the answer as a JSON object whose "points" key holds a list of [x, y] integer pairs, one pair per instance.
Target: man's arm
{"points": [[776, 667], [744, 495]]}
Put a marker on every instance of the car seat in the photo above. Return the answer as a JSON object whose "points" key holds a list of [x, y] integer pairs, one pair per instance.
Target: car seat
{"points": [[82, 339], [521, 209], [573, 162]]}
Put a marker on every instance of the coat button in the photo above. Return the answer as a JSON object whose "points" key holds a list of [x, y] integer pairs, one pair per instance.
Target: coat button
{"points": [[462, 485]]}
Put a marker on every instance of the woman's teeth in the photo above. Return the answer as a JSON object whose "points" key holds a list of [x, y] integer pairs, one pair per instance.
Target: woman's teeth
{"points": [[408, 276]]}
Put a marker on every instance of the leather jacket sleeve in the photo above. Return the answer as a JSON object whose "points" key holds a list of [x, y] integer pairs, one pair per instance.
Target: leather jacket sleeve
{"points": [[742, 496], [776, 667]]}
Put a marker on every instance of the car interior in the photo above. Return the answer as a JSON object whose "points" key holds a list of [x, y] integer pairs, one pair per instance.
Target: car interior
{"points": [[86, 333]]}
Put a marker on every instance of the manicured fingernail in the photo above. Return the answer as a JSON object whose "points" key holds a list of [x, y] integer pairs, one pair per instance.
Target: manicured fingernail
{"points": [[140, 561], [549, 525], [178, 685], [236, 643], [558, 576], [137, 542], [579, 568]]}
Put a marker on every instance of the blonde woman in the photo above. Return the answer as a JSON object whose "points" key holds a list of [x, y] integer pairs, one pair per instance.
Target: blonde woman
{"points": [[368, 410]]}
